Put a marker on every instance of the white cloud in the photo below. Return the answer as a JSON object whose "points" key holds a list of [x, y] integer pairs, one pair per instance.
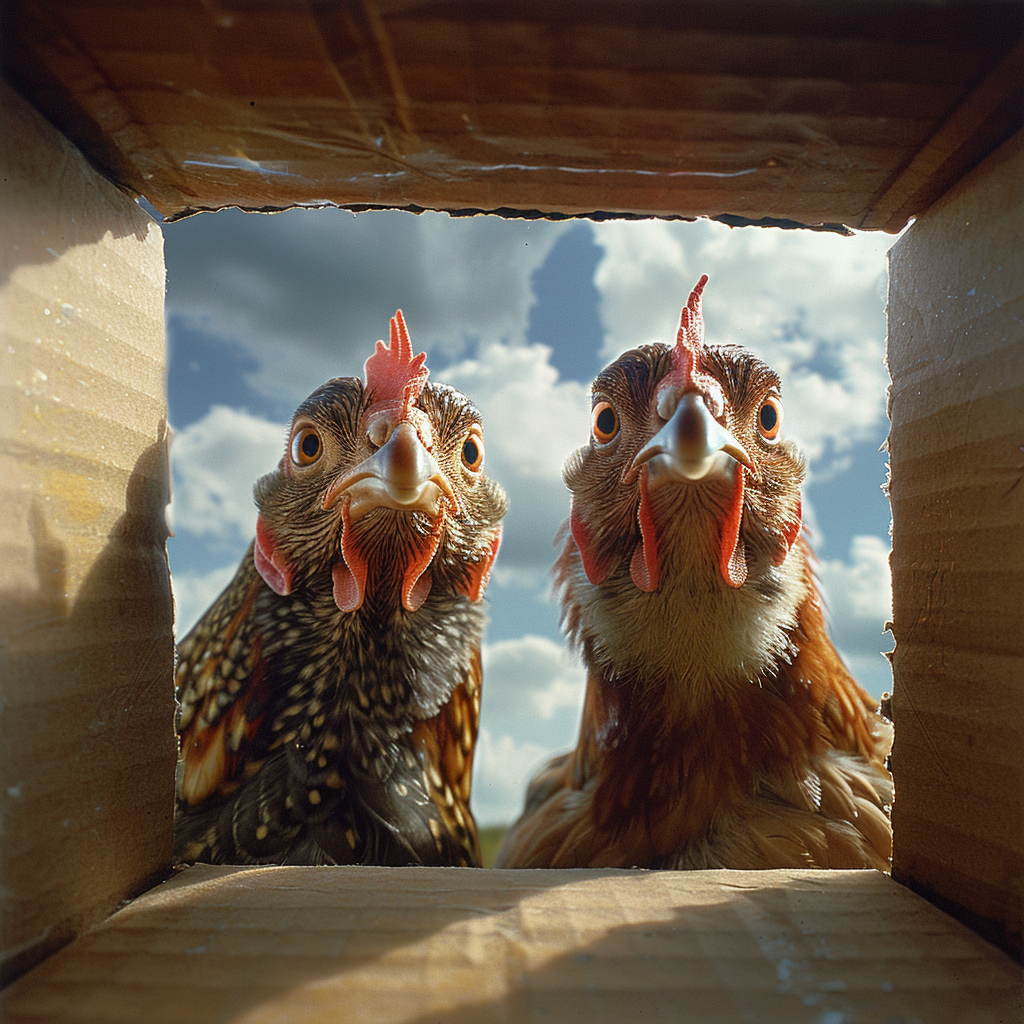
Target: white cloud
{"points": [[532, 421], [532, 676], [860, 589], [532, 698], [811, 305], [858, 598], [195, 592], [216, 462], [501, 770], [519, 577], [307, 292]]}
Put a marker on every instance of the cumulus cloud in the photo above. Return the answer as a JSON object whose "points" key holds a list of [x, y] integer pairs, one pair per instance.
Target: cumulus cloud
{"points": [[194, 592], [861, 589], [216, 462], [858, 597], [307, 292], [501, 770], [810, 305], [532, 698], [532, 421], [533, 678]]}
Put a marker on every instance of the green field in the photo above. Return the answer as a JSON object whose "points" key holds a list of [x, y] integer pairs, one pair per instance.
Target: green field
{"points": [[490, 839]]}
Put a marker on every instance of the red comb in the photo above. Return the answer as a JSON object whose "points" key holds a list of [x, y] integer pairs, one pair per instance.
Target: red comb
{"points": [[393, 375], [689, 339]]}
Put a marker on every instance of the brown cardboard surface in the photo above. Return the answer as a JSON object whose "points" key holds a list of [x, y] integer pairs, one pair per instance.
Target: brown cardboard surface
{"points": [[441, 945], [86, 646], [796, 110], [854, 113], [956, 355]]}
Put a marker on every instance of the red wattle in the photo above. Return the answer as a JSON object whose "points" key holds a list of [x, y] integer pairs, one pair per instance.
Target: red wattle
{"points": [[419, 591], [275, 570], [733, 556], [793, 529], [417, 580], [347, 595], [643, 568], [595, 568], [479, 574], [350, 575]]}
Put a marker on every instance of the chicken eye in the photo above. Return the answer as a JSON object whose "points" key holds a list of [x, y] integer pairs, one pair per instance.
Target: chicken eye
{"points": [[769, 419], [604, 422], [473, 453], [306, 447]]}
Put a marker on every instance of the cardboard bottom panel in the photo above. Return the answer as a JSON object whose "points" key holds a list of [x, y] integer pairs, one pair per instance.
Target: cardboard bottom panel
{"points": [[449, 944]]}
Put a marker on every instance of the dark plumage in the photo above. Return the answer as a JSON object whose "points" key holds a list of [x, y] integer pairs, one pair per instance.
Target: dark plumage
{"points": [[329, 698], [720, 726]]}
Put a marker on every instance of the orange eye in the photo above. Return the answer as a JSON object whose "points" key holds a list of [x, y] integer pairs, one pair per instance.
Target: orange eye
{"points": [[473, 453], [306, 446], [604, 422], [769, 419]]}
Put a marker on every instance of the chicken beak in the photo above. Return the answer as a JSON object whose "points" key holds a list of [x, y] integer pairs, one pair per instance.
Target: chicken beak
{"points": [[401, 474], [690, 444]]}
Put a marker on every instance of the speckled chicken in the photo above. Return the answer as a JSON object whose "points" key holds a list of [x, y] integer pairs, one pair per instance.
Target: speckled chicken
{"points": [[329, 698], [720, 727]]}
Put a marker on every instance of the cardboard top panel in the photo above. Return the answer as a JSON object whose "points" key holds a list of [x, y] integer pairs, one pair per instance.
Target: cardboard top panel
{"points": [[796, 112], [405, 945]]}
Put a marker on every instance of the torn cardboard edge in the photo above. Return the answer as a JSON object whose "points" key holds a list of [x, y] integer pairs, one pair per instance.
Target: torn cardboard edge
{"points": [[512, 213]]}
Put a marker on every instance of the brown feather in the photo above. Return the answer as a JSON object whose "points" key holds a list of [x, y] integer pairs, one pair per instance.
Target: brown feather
{"points": [[445, 745], [218, 679], [720, 727]]}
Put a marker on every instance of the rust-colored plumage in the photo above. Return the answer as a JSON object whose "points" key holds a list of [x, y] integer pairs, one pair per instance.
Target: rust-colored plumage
{"points": [[329, 698], [720, 726]]}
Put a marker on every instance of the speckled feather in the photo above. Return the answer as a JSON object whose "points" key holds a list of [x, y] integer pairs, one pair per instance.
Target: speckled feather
{"points": [[315, 735]]}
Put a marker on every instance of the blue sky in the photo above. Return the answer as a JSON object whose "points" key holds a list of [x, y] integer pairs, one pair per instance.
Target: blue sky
{"points": [[520, 315]]}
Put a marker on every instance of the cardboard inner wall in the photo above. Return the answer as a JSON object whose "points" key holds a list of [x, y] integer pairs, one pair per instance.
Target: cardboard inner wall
{"points": [[956, 356], [86, 655], [369, 945]]}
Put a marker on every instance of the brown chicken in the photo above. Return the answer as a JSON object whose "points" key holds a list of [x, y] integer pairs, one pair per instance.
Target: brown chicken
{"points": [[720, 727], [329, 698]]}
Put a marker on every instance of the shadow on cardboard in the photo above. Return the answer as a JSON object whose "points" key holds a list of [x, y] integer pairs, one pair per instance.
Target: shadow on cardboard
{"points": [[87, 726]]}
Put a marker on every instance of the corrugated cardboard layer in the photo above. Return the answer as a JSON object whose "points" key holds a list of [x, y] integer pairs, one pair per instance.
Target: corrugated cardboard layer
{"points": [[444, 945], [815, 113], [86, 645], [956, 355]]}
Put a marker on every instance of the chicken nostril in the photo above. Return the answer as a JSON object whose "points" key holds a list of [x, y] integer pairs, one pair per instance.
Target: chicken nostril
{"points": [[378, 432], [668, 400]]}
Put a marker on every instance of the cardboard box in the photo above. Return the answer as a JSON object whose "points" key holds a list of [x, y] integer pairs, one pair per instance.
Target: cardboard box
{"points": [[822, 114], [956, 447], [797, 111], [86, 733], [386, 946]]}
